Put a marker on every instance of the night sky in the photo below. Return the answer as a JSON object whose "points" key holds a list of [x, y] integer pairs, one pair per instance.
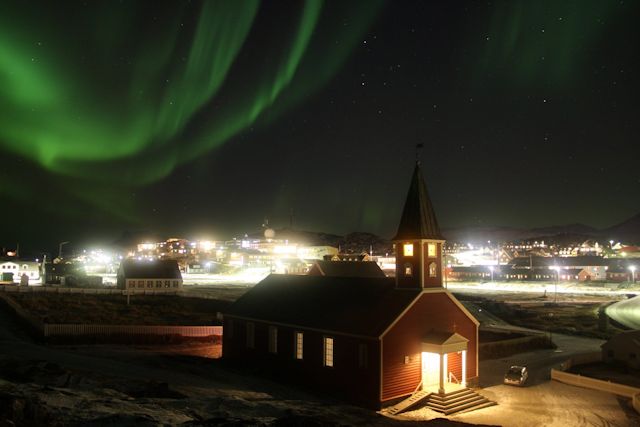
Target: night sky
{"points": [[202, 119]]}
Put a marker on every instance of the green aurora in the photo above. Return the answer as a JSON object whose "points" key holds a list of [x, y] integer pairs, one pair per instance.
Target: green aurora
{"points": [[102, 103], [127, 92]]}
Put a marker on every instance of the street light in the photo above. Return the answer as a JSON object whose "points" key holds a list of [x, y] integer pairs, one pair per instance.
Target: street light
{"points": [[555, 294], [60, 249], [633, 273], [491, 269]]}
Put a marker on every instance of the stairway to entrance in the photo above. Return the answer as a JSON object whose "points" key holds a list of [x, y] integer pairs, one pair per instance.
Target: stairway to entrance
{"points": [[409, 402], [462, 400]]}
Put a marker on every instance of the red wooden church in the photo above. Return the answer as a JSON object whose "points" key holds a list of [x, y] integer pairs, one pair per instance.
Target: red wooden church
{"points": [[371, 341]]}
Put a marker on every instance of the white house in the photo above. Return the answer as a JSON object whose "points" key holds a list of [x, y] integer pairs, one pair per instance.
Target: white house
{"points": [[18, 268]]}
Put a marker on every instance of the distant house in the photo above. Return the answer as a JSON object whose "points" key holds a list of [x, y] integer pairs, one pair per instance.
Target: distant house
{"points": [[16, 268], [617, 273], [160, 275], [196, 268], [363, 256], [474, 272], [369, 340], [578, 268], [623, 348], [346, 269]]}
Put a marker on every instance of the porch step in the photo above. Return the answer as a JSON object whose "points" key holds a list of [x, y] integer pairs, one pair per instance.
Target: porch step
{"points": [[458, 401], [409, 402]]}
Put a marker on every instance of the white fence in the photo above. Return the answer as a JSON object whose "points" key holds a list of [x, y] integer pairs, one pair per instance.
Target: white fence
{"points": [[592, 383], [80, 330], [66, 330]]}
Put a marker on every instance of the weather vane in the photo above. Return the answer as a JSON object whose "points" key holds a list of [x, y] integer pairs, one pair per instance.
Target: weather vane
{"points": [[418, 148]]}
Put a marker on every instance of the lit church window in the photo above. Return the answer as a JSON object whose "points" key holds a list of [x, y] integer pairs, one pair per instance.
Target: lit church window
{"points": [[433, 271], [408, 249], [431, 250], [408, 270]]}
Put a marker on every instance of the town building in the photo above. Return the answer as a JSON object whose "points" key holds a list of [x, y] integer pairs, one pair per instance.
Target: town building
{"points": [[346, 269], [370, 340], [19, 271], [158, 275]]}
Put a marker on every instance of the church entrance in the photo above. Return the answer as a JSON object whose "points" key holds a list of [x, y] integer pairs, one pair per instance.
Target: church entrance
{"points": [[444, 361]]}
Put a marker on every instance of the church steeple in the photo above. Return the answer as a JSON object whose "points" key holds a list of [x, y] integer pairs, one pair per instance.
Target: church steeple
{"points": [[418, 242], [418, 220]]}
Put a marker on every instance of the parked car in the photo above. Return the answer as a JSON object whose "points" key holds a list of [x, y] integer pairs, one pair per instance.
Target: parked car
{"points": [[516, 375]]}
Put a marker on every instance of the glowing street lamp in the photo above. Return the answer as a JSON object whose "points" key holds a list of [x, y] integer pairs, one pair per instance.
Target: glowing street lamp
{"points": [[555, 294], [633, 273]]}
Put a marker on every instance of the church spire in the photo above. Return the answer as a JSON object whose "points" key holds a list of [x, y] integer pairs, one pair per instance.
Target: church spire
{"points": [[418, 220]]}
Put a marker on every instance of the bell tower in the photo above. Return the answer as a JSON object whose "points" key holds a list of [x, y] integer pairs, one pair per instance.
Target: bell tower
{"points": [[418, 242]]}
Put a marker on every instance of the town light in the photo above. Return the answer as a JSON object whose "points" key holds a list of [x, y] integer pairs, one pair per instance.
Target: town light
{"points": [[555, 293], [633, 273]]}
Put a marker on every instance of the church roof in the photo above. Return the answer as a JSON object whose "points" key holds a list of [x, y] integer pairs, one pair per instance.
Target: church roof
{"points": [[351, 305], [418, 220]]}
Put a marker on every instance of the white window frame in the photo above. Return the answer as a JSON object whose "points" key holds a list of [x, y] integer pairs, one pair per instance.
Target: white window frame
{"points": [[298, 345], [328, 350]]}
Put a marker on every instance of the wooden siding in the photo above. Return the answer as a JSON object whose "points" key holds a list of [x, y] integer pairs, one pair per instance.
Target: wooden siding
{"points": [[432, 282], [454, 362], [433, 311], [345, 380]]}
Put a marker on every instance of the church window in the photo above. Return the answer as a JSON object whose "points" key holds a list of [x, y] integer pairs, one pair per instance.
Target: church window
{"points": [[431, 250], [299, 345], [408, 270], [407, 249], [328, 351], [433, 271]]}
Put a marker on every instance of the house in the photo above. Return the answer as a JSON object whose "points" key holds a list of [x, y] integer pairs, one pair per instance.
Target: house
{"points": [[346, 269], [623, 348], [617, 273], [16, 269], [363, 256], [159, 275], [369, 340]]}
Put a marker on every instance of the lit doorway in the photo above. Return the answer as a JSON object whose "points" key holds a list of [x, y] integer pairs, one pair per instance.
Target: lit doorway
{"points": [[430, 370]]}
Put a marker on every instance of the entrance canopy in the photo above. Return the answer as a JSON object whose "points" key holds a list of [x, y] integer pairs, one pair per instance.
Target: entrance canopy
{"points": [[443, 342]]}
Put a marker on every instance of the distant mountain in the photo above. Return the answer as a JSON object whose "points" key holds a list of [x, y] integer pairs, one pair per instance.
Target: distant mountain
{"points": [[578, 229], [627, 231]]}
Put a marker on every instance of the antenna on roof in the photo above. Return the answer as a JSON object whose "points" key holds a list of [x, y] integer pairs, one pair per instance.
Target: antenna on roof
{"points": [[419, 147]]}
